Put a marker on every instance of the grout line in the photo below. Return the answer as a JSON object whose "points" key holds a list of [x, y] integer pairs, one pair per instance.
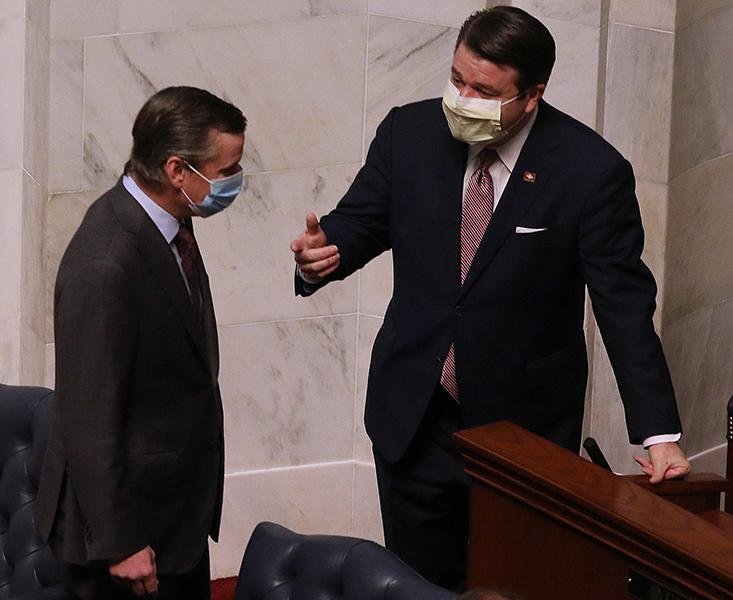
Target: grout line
{"points": [[289, 468], [708, 451], [287, 320]]}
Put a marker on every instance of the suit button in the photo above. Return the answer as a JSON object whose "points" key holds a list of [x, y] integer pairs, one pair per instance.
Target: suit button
{"points": [[438, 360], [459, 310]]}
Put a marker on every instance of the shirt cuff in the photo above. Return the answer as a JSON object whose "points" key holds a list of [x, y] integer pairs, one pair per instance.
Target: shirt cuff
{"points": [[308, 280], [661, 439]]}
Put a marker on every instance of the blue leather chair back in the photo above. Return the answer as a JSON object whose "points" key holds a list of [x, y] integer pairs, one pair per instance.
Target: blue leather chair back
{"points": [[279, 564], [28, 570]]}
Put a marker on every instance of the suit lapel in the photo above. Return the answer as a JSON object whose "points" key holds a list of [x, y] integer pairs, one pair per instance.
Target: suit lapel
{"points": [[536, 158], [161, 261]]}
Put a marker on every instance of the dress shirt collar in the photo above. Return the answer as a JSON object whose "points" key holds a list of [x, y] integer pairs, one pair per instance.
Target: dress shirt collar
{"points": [[164, 221], [508, 152]]}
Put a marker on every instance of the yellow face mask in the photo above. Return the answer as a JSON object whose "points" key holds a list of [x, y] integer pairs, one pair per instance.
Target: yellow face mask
{"points": [[472, 120]]}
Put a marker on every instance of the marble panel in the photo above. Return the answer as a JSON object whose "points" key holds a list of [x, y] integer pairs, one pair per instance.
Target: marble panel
{"points": [[32, 297], [82, 18], [11, 229], [585, 12], [12, 49], [573, 86], [375, 285], [247, 248], [288, 391], [703, 88], [321, 59], [653, 205], [608, 423], [50, 372], [700, 244], [10, 350], [64, 214], [407, 62], [65, 120], [36, 107], [712, 460], [39, 12], [688, 344], [12, 9], [32, 357], [368, 328], [142, 15], [452, 14], [691, 11], [638, 98], [310, 499], [652, 14], [367, 519]]}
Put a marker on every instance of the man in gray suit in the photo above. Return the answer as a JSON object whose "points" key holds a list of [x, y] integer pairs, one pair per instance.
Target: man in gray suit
{"points": [[132, 481]]}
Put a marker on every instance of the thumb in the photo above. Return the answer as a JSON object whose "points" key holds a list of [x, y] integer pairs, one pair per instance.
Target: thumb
{"points": [[311, 224]]}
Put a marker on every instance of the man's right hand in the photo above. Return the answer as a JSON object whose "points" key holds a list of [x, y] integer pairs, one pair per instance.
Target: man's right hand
{"points": [[138, 572], [315, 258]]}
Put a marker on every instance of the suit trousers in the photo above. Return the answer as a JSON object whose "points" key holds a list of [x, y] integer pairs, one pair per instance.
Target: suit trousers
{"points": [[94, 583], [424, 498]]}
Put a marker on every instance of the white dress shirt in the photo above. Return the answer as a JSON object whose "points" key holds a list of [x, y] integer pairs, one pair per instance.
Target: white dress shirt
{"points": [[166, 223]]}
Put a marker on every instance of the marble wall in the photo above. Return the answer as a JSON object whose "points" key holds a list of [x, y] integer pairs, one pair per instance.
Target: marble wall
{"points": [[315, 77], [24, 31], [698, 316]]}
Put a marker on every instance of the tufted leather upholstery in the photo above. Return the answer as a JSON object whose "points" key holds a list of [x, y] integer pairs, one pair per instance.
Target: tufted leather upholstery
{"points": [[28, 570], [282, 565]]}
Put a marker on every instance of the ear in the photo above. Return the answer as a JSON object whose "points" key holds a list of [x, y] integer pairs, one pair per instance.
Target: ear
{"points": [[176, 171], [535, 95]]}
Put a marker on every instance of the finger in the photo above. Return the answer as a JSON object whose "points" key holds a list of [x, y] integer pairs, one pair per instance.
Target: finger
{"points": [[138, 588], [643, 461], [313, 255], [311, 224], [327, 272], [677, 472], [658, 472], [298, 244], [151, 584], [318, 268]]}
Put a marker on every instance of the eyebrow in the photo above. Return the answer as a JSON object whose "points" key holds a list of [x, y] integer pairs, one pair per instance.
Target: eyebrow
{"points": [[488, 90]]}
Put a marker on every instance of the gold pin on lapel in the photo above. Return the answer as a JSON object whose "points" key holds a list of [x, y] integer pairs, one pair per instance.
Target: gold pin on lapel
{"points": [[529, 177]]}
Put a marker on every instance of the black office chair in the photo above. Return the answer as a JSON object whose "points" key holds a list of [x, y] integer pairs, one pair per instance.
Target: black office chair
{"points": [[28, 570], [279, 564]]}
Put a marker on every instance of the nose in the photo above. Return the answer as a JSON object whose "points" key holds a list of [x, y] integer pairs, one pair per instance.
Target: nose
{"points": [[467, 91]]}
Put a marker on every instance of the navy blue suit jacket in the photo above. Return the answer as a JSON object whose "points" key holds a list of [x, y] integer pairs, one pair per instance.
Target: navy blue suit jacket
{"points": [[517, 321]]}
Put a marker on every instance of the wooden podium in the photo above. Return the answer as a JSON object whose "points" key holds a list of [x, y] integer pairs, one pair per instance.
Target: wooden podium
{"points": [[547, 524]]}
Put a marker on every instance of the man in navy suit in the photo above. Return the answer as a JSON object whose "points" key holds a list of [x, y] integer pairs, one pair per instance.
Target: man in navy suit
{"points": [[499, 211]]}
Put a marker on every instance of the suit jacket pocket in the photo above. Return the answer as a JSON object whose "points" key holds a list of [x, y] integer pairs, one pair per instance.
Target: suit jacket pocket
{"points": [[557, 366], [153, 468]]}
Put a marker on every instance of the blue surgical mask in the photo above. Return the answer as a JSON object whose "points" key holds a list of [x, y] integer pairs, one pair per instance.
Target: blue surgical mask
{"points": [[222, 193]]}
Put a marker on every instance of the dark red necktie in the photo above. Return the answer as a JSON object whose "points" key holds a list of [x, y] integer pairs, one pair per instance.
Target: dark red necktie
{"points": [[478, 208], [189, 252]]}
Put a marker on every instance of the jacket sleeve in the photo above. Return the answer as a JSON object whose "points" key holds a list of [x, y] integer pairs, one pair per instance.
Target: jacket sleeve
{"points": [[359, 225], [95, 328], [623, 292]]}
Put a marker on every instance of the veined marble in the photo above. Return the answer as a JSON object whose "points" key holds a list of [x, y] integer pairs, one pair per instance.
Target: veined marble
{"points": [[367, 521], [691, 11], [375, 285], [653, 205], [300, 84], [82, 18], [10, 350], [653, 14], [638, 98], [12, 9], [451, 14], [247, 247], [32, 357], [703, 88], [32, 305], [65, 115], [309, 499], [142, 15], [584, 12], [12, 49], [289, 390], [407, 62], [10, 242]]}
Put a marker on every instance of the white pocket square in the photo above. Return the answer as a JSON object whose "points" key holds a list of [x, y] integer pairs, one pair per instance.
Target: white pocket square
{"points": [[530, 229]]}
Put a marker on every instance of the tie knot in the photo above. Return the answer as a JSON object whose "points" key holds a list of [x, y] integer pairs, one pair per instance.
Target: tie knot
{"points": [[487, 157]]}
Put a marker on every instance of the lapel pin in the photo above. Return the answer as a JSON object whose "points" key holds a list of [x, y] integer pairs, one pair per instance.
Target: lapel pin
{"points": [[529, 177]]}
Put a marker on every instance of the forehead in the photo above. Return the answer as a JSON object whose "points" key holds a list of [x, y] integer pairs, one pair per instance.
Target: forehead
{"points": [[477, 71]]}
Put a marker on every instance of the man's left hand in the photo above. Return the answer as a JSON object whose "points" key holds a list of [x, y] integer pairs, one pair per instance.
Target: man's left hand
{"points": [[665, 461]]}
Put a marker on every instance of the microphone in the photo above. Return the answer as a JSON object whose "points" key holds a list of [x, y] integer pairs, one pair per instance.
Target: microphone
{"points": [[594, 452]]}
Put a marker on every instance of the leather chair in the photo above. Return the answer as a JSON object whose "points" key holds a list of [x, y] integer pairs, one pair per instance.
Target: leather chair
{"points": [[28, 570], [279, 564]]}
